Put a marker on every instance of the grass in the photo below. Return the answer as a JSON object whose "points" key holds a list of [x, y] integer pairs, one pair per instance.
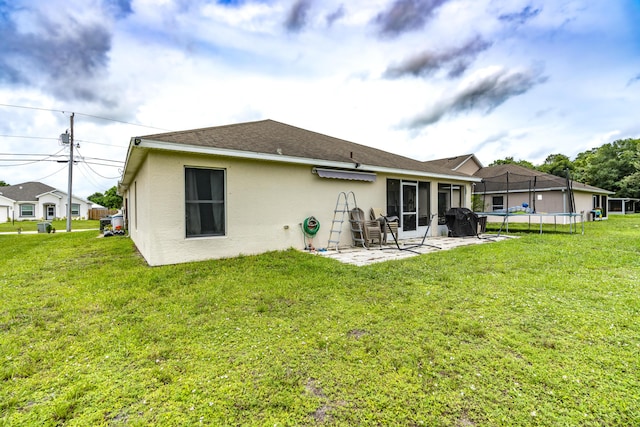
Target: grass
{"points": [[541, 330], [58, 224]]}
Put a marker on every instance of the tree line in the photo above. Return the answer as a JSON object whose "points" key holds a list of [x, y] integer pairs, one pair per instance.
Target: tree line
{"points": [[614, 166]]}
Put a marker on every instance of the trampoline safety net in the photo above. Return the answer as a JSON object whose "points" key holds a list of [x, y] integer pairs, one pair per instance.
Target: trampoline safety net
{"points": [[510, 182]]}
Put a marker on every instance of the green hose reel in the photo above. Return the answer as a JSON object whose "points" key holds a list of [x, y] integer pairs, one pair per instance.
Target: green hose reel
{"points": [[311, 226]]}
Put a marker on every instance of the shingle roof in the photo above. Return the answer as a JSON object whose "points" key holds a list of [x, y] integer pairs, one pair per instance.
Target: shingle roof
{"points": [[450, 162], [272, 137], [27, 191], [497, 170]]}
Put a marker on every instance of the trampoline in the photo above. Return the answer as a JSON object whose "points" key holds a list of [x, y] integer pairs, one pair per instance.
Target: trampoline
{"points": [[524, 188]]}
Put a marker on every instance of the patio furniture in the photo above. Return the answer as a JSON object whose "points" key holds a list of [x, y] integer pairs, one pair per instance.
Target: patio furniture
{"points": [[387, 224]]}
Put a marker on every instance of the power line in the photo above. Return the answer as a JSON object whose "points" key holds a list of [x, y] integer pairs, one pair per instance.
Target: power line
{"points": [[31, 108], [30, 161], [28, 137], [75, 162], [52, 155], [89, 177], [123, 122], [83, 114], [50, 175], [101, 143], [55, 139], [27, 154], [92, 170]]}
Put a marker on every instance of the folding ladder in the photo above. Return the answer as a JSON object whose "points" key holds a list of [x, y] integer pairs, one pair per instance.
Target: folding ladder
{"points": [[343, 207]]}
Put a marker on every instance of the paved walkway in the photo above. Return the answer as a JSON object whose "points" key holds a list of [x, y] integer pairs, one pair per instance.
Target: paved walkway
{"points": [[361, 256]]}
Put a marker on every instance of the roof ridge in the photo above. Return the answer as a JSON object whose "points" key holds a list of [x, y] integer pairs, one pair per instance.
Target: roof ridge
{"points": [[206, 128]]}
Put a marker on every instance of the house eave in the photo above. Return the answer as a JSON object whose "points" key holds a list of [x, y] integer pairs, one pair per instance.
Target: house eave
{"points": [[139, 147], [53, 193], [465, 161]]}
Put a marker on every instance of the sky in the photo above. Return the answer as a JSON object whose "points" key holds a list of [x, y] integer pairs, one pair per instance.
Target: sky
{"points": [[426, 79]]}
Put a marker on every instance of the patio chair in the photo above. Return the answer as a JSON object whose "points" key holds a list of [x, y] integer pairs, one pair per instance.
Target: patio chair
{"points": [[387, 224], [363, 231], [356, 221], [373, 232]]}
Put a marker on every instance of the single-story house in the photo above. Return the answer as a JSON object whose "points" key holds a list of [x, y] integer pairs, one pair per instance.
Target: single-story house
{"points": [[623, 205], [511, 188], [248, 188], [38, 201]]}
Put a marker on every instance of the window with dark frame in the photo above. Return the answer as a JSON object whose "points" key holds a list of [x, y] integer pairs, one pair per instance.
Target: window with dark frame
{"points": [[204, 202], [498, 203]]}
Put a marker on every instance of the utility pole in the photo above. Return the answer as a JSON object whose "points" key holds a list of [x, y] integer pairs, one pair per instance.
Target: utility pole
{"points": [[70, 176]]}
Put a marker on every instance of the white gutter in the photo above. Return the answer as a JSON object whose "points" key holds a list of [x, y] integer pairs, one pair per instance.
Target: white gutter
{"points": [[159, 145]]}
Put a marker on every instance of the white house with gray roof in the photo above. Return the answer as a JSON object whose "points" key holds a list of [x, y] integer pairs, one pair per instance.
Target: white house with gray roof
{"points": [[31, 201]]}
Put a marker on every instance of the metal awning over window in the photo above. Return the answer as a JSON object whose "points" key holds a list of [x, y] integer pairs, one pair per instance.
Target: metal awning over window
{"points": [[345, 174]]}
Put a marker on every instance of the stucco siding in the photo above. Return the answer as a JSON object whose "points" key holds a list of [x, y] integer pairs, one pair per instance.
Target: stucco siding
{"points": [[141, 210], [266, 203], [584, 202], [51, 199]]}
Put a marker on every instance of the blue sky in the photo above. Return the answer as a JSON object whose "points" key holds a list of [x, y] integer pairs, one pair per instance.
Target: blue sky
{"points": [[422, 78]]}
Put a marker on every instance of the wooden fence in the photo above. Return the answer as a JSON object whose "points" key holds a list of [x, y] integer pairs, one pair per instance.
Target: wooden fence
{"points": [[97, 213]]}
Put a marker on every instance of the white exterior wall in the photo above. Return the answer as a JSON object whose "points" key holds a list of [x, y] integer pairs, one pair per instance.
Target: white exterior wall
{"points": [[51, 199], [141, 209], [584, 203], [266, 202], [6, 209]]}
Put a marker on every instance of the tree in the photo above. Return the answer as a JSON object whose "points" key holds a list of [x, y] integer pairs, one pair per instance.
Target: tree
{"points": [[96, 198], [110, 199], [580, 165], [556, 164], [608, 166], [630, 186], [510, 161], [4, 184]]}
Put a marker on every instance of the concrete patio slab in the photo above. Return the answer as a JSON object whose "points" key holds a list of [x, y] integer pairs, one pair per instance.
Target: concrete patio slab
{"points": [[408, 248]]}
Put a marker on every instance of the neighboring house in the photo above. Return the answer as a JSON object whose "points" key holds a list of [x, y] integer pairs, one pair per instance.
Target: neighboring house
{"points": [[247, 188], [623, 205], [514, 188], [37, 201]]}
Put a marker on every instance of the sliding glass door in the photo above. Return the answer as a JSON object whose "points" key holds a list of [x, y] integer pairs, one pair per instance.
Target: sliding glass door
{"points": [[410, 202]]}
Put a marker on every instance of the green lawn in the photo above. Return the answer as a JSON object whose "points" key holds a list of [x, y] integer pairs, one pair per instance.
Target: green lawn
{"points": [[541, 330]]}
